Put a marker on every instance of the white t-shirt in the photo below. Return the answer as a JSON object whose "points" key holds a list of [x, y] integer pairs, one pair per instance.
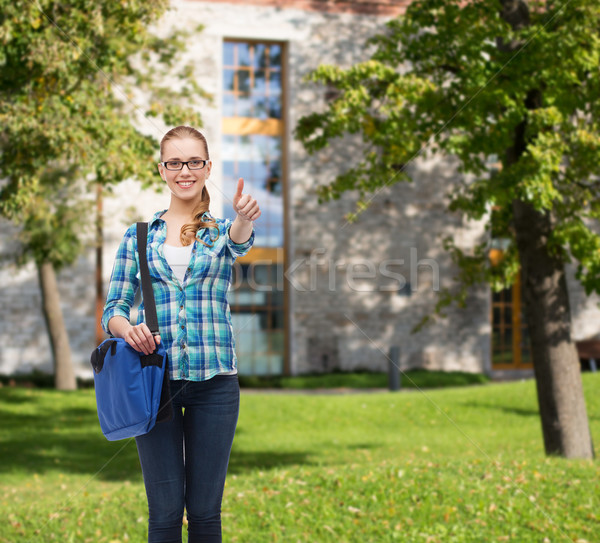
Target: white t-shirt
{"points": [[178, 259]]}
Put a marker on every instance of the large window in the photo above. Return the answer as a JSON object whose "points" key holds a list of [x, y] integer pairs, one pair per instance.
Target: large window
{"points": [[510, 339], [252, 80], [252, 148], [510, 336]]}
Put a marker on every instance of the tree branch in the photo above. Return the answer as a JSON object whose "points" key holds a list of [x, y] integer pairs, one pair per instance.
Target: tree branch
{"points": [[516, 14]]}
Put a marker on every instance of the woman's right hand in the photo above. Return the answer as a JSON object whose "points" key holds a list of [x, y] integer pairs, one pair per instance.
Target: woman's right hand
{"points": [[141, 339]]}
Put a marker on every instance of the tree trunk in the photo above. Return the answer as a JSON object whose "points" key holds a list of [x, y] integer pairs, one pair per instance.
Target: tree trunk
{"points": [[64, 376], [100, 297], [555, 360], [556, 364]]}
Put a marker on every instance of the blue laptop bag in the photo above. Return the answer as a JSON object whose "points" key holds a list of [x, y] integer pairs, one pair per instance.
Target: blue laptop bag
{"points": [[132, 389]]}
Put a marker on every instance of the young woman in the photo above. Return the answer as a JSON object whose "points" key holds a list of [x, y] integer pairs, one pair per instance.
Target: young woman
{"points": [[190, 257]]}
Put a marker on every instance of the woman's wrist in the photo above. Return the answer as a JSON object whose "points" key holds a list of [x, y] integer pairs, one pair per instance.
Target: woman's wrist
{"points": [[118, 326], [139, 336], [240, 230]]}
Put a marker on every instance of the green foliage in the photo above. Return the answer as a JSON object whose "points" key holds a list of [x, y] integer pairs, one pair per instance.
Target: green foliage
{"points": [[71, 77], [462, 465], [447, 77]]}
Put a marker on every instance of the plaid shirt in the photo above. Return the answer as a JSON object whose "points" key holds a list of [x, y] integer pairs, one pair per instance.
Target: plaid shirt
{"points": [[193, 317]]}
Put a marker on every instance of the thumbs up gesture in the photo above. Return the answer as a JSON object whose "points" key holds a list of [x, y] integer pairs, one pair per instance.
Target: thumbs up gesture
{"points": [[244, 205]]}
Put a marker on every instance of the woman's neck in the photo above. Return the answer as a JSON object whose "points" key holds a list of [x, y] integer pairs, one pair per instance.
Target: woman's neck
{"points": [[182, 210]]}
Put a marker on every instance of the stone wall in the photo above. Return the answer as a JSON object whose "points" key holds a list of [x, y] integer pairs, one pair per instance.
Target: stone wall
{"points": [[24, 344]]}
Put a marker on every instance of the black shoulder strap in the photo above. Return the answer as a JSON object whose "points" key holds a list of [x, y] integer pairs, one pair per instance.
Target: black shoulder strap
{"points": [[147, 292]]}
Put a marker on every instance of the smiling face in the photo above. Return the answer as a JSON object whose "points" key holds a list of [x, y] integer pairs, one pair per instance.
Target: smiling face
{"points": [[185, 184]]}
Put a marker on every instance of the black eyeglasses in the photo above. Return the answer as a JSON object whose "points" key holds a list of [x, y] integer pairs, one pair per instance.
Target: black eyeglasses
{"points": [[178, 164]]}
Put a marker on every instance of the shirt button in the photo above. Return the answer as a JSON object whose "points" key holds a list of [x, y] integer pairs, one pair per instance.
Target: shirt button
{"points": [[181, 307], [182, 326]]}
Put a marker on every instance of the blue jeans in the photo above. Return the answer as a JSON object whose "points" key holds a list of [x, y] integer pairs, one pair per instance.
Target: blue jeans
{"points": [[184, 462]]}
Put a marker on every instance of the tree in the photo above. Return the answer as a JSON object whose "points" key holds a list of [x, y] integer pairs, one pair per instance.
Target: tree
{"points": [[69, 75], [489, 80]]}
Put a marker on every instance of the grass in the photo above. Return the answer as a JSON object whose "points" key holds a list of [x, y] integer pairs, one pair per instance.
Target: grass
{"points": [[416, 378], [461, 464]]}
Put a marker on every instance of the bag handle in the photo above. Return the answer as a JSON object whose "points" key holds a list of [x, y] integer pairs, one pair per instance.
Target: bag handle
{"points": [[147, 292], [165, 409]]}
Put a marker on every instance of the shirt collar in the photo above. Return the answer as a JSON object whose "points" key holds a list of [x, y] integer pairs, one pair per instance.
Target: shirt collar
{"points": [[156, 217]]}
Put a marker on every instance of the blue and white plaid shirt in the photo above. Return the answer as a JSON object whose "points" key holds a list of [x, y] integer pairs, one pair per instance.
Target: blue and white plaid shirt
{"points": [[194, 316]]}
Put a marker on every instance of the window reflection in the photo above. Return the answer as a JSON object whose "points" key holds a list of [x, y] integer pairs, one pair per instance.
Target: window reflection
{"points": [[257, 159], [257, 318], [228, 53], [252, 80]]}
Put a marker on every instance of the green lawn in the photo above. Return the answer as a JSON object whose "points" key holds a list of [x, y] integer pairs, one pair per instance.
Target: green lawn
{"points": [[413, 378], [448, 465], [410, 379]]}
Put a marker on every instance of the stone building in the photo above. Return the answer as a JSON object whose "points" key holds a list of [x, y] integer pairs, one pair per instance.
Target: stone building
{"points": [[315, 293]]}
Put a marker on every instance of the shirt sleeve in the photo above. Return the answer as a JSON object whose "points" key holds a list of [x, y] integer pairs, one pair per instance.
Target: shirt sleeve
{"points": [[238, 249], [124, 281]]}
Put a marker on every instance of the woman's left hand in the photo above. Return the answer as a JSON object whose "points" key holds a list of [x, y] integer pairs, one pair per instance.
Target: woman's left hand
{"points": [[244, 205]]}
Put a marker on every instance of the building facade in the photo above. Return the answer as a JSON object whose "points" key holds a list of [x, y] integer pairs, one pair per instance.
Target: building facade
{"points": [[315, 293]]}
